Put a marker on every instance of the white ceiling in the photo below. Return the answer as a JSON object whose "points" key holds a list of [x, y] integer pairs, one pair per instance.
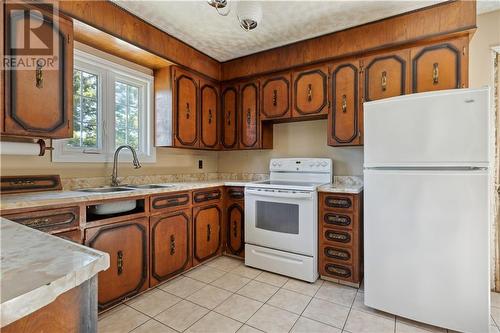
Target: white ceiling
{"points": [[283, 22]]}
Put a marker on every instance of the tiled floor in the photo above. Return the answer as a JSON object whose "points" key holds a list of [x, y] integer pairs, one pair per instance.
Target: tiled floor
{"points": [[225, 296]]}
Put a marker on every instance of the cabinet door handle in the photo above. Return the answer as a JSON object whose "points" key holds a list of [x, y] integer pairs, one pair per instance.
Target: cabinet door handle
{"points": [[249, 116], [275, 97], [39, 74], [172, 244], [209, 231], [209, 116], [383, 81], [228, 118], [188, 111], [119, 262], [435, 73], [309, 92], [344, 103], [235, 229]]}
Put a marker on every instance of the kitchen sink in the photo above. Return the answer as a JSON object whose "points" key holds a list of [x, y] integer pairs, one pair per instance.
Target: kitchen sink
{"points": [[105, 189], [149, 186]]}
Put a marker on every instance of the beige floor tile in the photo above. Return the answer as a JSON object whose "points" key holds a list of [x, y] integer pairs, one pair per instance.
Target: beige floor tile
{"points": [[103, 315], [248, 329], [359, 304], [306, 325], [258, 290], [495, 314], [238, 307], [423, 326], [215, 323], [205, 274], [303, 287], [226, 264], [182, 286], [182, 315], [494, 329], [153, 326], [122, 320], [231, 282], [405, 328], [495, 299], [153, 302], [271, 278], [336, 293], [326, 312], [246, 271], [209, 296], [290, 301], [362, 322], [271, 319]]}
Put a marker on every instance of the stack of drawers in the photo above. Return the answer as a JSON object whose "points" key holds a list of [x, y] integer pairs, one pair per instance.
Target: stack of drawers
{"points": [[341, 237]]}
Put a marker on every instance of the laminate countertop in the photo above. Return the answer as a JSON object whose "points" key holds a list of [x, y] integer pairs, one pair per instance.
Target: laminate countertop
{"points": [[36, 268]]}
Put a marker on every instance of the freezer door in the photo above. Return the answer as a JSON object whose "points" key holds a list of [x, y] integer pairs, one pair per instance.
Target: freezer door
{"points": [[444, 128], [426, 246]]}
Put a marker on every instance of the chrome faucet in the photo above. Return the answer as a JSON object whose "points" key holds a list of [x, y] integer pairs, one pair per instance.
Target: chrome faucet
{"points": [[137, 164]]}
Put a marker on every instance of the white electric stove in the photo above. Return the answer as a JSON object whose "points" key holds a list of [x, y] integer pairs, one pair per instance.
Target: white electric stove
{"points": [[281, 217]]}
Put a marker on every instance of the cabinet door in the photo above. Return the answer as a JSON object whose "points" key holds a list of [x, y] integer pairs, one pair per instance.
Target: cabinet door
{"points": [[229, 113], [385, 75], [127, 246], [235, 242], [249, 116], [39, 100], [207, 232], [170, 245], [344, 119], [209, 134], [275, 97], [440, 66], [310, 93], [185, 109]]}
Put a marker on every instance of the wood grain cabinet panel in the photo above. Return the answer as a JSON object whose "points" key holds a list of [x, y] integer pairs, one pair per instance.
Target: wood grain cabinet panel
{"points": [[127, 244], [48, 220], [207, 222], [275, 97], [186, 99], [440, 66], [310, 92], [235, 228], [229, 117], [249, 115], [344, 120], [170, 245], [28, 110], [209, 129]]}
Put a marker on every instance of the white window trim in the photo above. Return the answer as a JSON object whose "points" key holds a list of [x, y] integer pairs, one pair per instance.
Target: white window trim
{"points": [[108, 71]]}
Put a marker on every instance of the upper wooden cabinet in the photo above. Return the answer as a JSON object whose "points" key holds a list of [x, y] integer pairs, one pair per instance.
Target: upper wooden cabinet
{"points": [[385, 75], [310, 92], [185, 108], [440, 66], [249, 115], [344, 120], [275, 97], [39, 99], [209, 129], [229, 117]]}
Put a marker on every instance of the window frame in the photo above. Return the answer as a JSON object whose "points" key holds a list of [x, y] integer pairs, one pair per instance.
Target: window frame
{"points": [[108, 73]]}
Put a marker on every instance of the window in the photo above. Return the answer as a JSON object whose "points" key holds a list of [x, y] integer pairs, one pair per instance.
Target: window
{"points": [[112, 106]]}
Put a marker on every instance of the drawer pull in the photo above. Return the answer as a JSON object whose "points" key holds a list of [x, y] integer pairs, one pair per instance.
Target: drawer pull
{"points": [[209, 231], [334, 253], [338, 270], [172, 245], [119, 263], [338, 202], [341, 237], [337, 219], [235, 194]]}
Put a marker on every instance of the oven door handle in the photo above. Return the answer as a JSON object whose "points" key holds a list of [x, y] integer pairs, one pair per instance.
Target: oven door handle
{"points": [[289, 195]]}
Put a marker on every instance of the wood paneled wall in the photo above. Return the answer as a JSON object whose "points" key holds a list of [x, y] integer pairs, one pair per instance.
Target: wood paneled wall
{"points": [[442, 19]]}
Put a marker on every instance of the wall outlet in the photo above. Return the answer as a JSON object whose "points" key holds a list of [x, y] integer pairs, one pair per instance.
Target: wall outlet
{"points": [[200, 164]]}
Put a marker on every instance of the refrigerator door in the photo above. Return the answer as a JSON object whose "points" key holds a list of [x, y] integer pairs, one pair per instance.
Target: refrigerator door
{"points": [[444, 128], [427, 246]]}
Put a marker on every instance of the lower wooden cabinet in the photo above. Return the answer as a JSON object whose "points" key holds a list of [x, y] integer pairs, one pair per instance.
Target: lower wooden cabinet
{"points": [[170, 245], [207, 223], [127, 244], [234, 225]]}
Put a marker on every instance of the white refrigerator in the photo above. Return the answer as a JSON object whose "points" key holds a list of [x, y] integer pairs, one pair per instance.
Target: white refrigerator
{"points": [[426, 207]]}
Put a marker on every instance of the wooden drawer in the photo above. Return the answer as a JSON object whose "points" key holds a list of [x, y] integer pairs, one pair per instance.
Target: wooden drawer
{"points": [[73, 235], [204, 196], [339, 202], [336, 253], [235, 193], [48, 220], [170, 201], [338, 220], [335, 237], [337, 271]]}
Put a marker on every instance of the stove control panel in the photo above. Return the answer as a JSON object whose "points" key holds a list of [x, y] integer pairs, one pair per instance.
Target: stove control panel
{"points": [[322, 165]]}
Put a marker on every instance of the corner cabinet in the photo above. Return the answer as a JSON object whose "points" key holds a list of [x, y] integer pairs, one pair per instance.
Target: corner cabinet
{"points": [[27, 110]]}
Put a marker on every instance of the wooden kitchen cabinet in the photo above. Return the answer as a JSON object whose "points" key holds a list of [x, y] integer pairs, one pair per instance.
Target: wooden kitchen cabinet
{"points": [[48, 220], [170, 245], [310, 92], [234, 226], [127, 244], [275, 97], [209, 115], [249, 115], [185, 108], [440, 66], [345, 118], [207, 223], [39, 100], [229, 117]]}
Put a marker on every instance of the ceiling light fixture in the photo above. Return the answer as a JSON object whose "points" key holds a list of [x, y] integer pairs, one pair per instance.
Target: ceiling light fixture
{"points": [[220, 4], [249, 13]]}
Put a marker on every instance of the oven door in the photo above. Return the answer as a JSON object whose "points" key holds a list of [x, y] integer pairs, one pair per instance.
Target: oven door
{"points": [[282, 219]]}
